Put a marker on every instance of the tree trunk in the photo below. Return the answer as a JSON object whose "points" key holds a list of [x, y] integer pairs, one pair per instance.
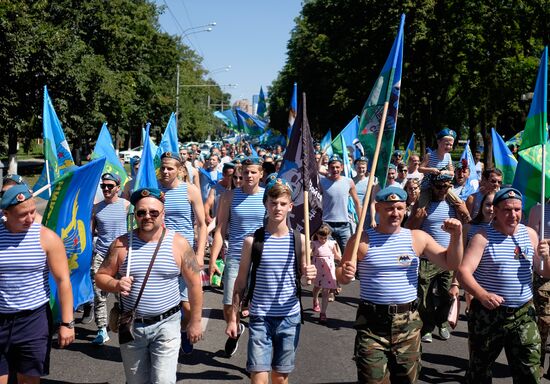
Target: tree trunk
{"points": [[12, 150]]}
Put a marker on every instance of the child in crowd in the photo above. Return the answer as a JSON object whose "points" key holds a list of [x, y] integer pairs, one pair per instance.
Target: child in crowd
{"points": [[324, 253], [439, 162]]}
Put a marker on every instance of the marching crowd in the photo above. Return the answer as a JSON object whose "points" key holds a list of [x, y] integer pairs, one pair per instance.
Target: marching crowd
{"points": [[430, 231]]}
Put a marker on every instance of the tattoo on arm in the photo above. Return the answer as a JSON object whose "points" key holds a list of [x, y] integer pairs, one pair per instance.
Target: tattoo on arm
{"points": [[190, 261]]}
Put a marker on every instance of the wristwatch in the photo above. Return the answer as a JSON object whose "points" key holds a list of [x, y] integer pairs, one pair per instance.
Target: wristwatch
{"points": [[69, 325]]}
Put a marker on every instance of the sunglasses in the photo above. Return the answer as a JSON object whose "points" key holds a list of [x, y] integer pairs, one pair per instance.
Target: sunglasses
{"points": [[107, 186], [143, 212]]}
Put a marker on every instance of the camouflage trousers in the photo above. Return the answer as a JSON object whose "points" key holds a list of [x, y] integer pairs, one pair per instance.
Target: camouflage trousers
{"points": [[387, 347], [491, 330], [433, 295], [100, 297], [541, 299]]}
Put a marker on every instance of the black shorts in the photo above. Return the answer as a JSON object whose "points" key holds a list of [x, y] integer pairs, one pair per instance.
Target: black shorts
{"points": [[25, 342]]}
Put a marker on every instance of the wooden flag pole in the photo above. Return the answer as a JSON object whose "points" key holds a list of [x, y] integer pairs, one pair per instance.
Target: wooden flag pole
{"points": [[130, 241], [306, 225], [370, 184]]}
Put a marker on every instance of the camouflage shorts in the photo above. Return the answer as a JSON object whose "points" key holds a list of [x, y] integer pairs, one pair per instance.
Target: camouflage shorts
{"points": [[387, 347], [491, 330]]}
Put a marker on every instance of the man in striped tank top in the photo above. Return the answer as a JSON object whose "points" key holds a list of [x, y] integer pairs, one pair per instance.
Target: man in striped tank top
{"points": [[387, 345], [241, 212], [153, 356], [498, 271], [109, 220], [275, 316], [28, 251]]}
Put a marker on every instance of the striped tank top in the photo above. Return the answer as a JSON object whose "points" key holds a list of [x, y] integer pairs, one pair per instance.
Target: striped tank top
{"points": [[506, 266], [275, 290], [162, 290], [246, 215], [178, 212], [110, 220], [23, 270], [388, 273], [435, 162], [475, 228], [437, 213]]}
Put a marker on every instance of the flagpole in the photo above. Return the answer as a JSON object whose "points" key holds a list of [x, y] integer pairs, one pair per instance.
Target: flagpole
{"points": [[130, 241], [542, 198], [370, 184], [48, 178], [47, 186]]}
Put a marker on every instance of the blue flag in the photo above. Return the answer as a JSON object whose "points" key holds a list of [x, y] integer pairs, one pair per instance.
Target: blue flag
{"points": [[262, 106], [349, 133], [104, 148], [292, 111], [472, 184], [169, 141], [146, 177], [56, 149], [325, 141], [409, 150], [249, 124], [504, 159], [69, 214]]}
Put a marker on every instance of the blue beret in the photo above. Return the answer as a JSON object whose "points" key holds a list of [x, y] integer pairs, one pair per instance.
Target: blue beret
{"points": [[112, 177], [253, 160], [446, 132], [147, 192], [13, 177], [334, 158], [398, 153], [271, 177], [361, 158], [505, 194], [239, 159], [171, 155], [15, 195], [391, 195], [392, 166]]}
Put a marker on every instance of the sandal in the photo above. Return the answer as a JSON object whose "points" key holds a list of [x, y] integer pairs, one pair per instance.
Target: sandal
{"points": [[316, 307]]}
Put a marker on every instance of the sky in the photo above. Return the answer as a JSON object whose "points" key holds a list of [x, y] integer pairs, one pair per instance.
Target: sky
{"points": [[250, 36]]}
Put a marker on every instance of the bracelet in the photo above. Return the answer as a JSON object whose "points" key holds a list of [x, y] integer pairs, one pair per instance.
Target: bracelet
{"points": [[455, 285]]}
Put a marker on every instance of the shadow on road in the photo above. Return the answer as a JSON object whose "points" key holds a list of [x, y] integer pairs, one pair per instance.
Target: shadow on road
{"points": [[213, 360], [101, 352]]}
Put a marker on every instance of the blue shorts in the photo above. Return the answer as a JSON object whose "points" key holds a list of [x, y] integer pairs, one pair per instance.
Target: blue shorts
{"points": [[184, 296], [230, 272], [272, 343], [25, 342]]}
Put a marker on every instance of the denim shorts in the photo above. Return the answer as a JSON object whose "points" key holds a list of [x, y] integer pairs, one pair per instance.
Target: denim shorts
{"points": [[230, 273], [272, 343]]}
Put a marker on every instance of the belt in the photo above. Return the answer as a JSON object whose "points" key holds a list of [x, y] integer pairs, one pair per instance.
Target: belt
{"points": [[505, 309], [391, 309], [337, 223], [156, 319]]}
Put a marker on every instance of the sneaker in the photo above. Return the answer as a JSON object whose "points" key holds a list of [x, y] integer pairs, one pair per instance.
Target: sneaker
{"points": [[232, 344], [444, 333], [186, 346], [427, 338], [102, 337], [88, 315]]}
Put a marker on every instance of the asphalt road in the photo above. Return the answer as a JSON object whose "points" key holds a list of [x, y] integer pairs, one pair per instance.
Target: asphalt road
{"points": [[324, 352]]}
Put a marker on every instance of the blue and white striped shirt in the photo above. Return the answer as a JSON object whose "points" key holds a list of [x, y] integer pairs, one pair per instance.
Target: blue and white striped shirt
{"points": [[475, 228], [506, 266], [162, 290], [388, 273], [246, 215], [435, 162], [23, 270], [110, 220], [275, 289], [437, 213], [179, 215]]}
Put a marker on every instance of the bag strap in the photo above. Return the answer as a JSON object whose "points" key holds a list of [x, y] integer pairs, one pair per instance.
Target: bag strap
{"points": [[256, 256], [150, 267], [298, 269]]}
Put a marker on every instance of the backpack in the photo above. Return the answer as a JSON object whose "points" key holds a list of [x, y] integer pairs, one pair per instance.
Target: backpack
{"points": [[256, 256]]}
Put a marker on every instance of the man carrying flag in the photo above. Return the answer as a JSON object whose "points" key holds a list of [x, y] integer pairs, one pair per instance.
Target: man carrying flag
{"points": [[25, 316]]}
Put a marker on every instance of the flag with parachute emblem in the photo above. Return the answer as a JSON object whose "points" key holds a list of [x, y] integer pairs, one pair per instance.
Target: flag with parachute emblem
{"points": [[386, 90], [69, 214], [300, 170], [104, 148], [409, 150], [56, 149], [250, 124]]}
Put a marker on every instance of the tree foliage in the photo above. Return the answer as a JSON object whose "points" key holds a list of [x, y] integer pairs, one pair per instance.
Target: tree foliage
{"points": [[102, 61], [466, 63]]}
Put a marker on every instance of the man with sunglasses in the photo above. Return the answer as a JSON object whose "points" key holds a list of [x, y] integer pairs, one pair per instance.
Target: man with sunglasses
{"points": [[109, 220], [153, 356], [434, 282]]}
